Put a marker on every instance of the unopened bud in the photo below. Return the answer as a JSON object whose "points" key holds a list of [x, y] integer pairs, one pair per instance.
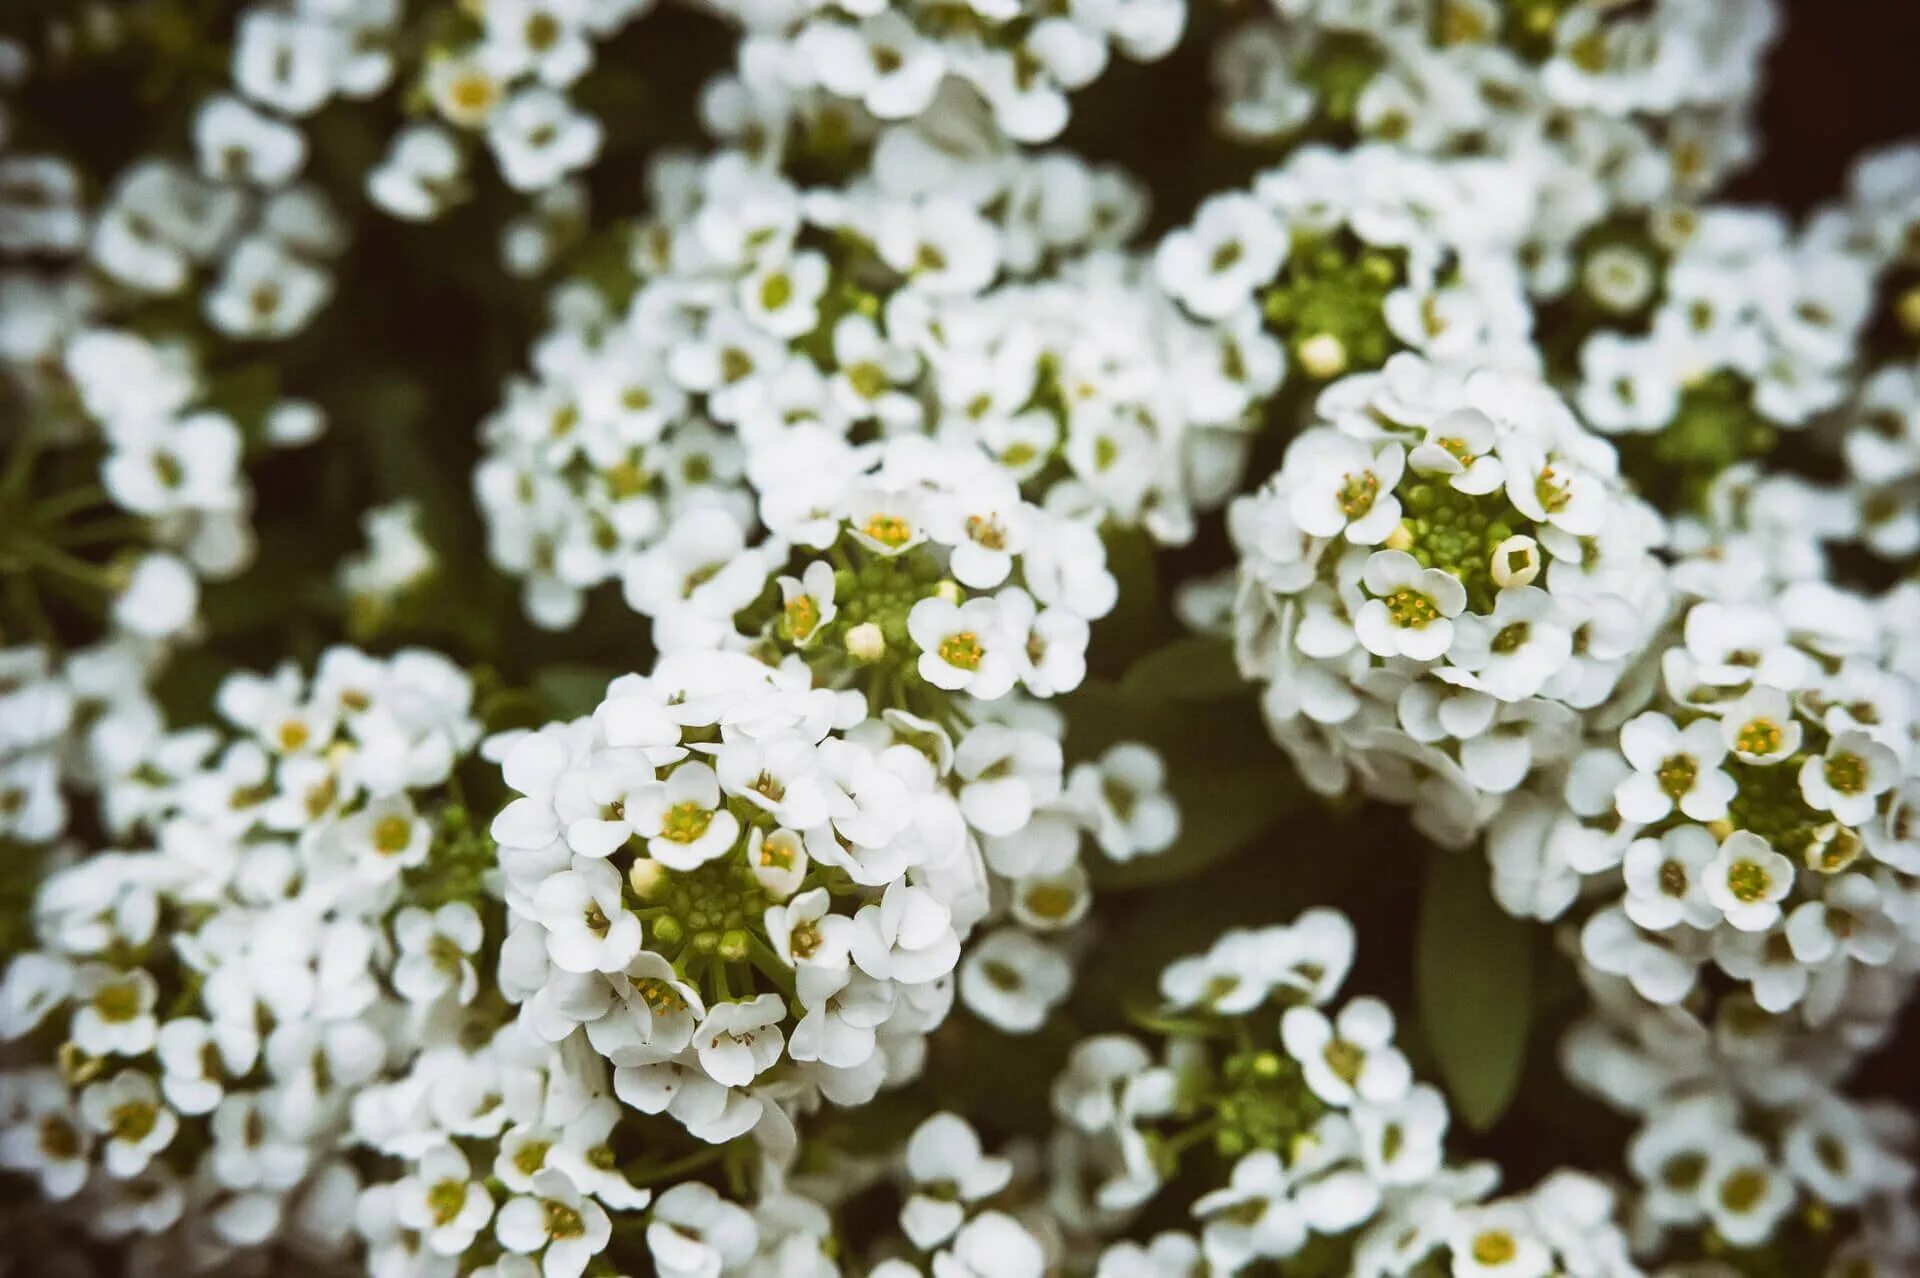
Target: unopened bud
{"points": [[1516, 561], [1323, 356], [645, 877], [865, 643]]}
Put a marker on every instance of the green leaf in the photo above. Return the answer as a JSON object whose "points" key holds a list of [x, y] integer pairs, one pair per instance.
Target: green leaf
{"points": [[1196, 668], [1473, 972]]}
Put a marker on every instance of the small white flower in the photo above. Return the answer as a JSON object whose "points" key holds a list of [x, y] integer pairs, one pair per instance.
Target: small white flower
{"points": [[1013, 981], [128, 1112], [1665, 879], [442, 1202], [1673, 766], [114, 1016], [588, 926], [1745, 1195], [694, 1233], [962, 647], [1123, 798], [1747, 880], [1351, 1057], [683, 819], [1411, 611], [1849, 778], [569, 1230], [1761, 728], [950, 1172], [436, 952], [737, 1042], [1346, 487]]}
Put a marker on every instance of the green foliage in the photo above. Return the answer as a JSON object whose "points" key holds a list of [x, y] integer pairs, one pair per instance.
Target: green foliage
{"points": [[1473, 966]]}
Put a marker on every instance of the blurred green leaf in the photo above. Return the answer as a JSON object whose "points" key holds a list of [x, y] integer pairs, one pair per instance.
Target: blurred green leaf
{"points": [[1473, 973], [571, 690], [1196, 668]]}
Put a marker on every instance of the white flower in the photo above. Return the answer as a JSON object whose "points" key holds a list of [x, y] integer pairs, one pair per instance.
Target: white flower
{"points": [[950, 1172], [1848, 779], [44, 1138], [1123, 797], [1498, 1241], [538, 138], [114, 1016], [1005, 774], [1410, 614], [1673, 766], [1351, 1057], [1761, 728], [807, 603], [159, 599], [1747, 880], [1346, 487], [737, 1042], [1013, 981], [588, 926], [907, 936], [694, 1233], [991, 1245], [570, 1228], [441, 1201], [1665, 879], [128, 1112], [962, 647], [1516, 650], [436, 952], [683, 819], [237, 143], [1234, 246], [1745, 1195]]}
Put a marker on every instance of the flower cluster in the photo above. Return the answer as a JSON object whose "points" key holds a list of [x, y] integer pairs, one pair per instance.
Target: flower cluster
{"points": [[754, 324], [1716, 328], [133, 491], [736, 885], [1743, 1153], [1748, 811], [897, 61], [1600, 107], [1324, 1148], [1436, 584], [1342, 258], [844, 594], [200, 1009]]}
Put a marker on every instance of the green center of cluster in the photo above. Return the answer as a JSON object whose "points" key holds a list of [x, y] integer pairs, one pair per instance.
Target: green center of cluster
{"points": [[1769, 804], [1263, 1103], [710, 910], [1458, 532], [1329, 305], [1715, 426]]}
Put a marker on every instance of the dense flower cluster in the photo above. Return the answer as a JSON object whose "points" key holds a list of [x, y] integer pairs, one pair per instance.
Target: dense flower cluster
{"points": [[807, 552], [200, 1008], [758, 332], [892, 61], [1341, 258], [1718, 328], [726, 867], [1749, 811], [1743, 1151], [1328, 1150], [1602, 107], [1437, 583]]}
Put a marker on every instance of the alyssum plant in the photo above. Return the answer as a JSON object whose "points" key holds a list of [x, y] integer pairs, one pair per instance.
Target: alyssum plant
{"points": [[974, 639]]}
